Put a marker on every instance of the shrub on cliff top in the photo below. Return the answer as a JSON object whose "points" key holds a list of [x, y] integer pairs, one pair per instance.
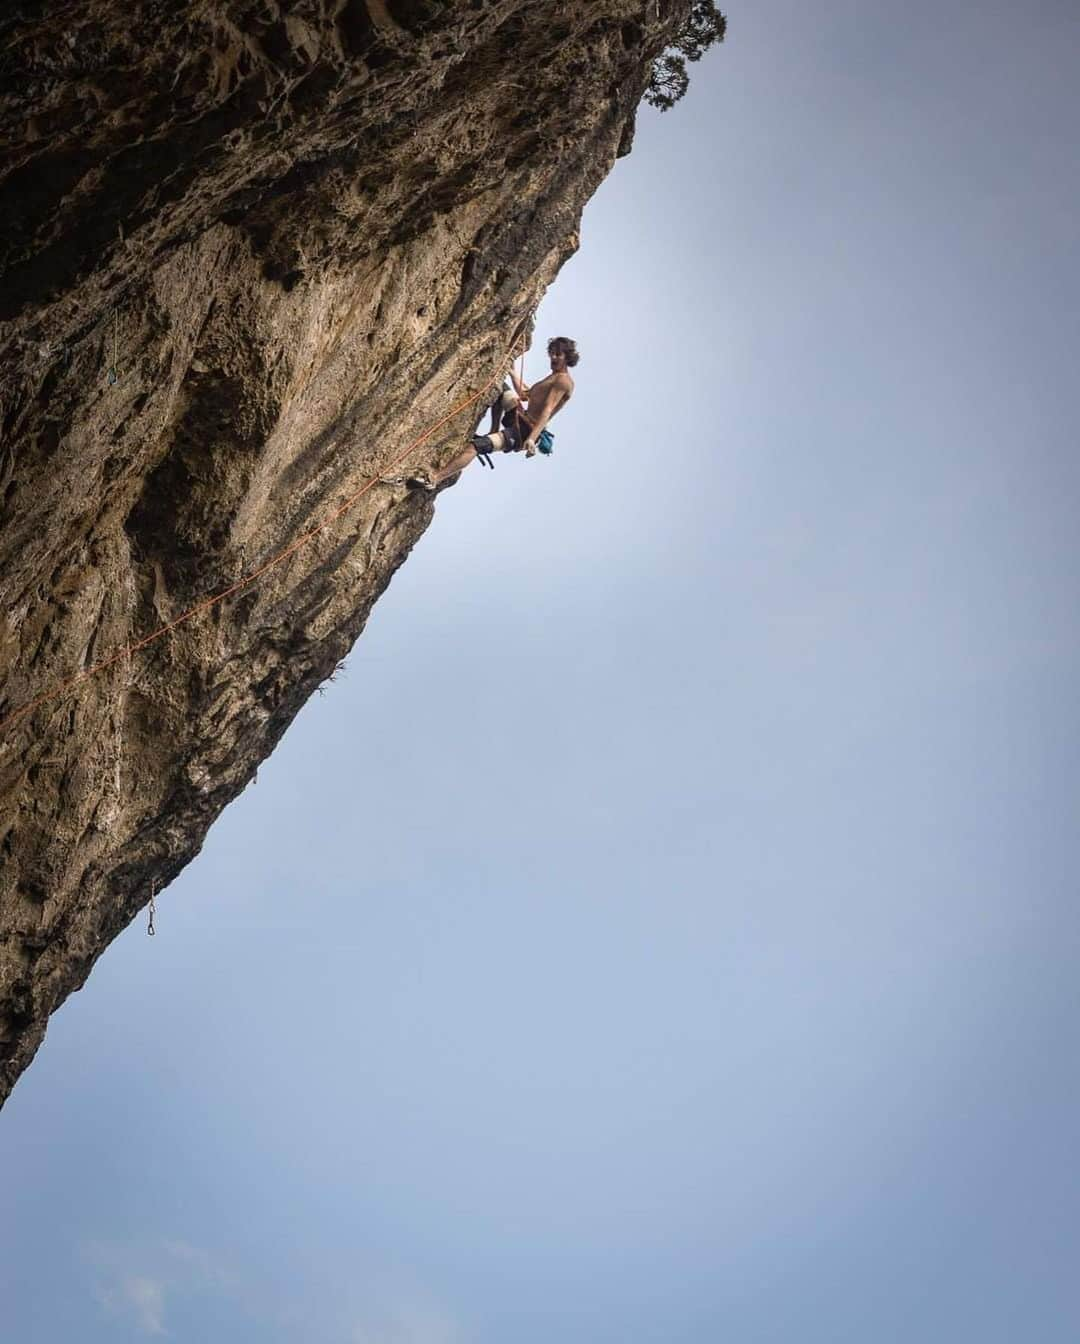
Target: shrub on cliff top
{"points": [[668, 80]]}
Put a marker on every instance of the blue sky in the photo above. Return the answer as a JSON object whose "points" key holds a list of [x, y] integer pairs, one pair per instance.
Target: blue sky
{"points": [[666, 930]]}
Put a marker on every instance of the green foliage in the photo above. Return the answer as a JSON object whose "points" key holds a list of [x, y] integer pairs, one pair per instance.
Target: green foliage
{"points": [[669, 80]]}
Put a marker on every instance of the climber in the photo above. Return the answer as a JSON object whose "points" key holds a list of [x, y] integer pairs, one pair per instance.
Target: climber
{"points": [[525, 413]]}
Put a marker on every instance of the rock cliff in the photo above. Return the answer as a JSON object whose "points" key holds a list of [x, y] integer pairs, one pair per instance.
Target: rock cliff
{"points": [[250, 251]]}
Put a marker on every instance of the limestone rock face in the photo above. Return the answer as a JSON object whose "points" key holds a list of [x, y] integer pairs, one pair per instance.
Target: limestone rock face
{"points": [[250, 250]]}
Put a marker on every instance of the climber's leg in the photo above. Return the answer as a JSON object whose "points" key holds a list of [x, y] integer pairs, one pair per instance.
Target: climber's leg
{"points": [[455, 465], [481, 443], [505, 401], [495, 441]]}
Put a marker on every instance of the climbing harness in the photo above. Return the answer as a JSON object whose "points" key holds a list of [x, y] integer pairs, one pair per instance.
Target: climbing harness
{"points": [[544, 440], [244, 582]]}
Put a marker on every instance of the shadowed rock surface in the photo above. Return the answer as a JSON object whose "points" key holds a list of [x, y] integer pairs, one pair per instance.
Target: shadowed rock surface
{"points": [[250, 251]]}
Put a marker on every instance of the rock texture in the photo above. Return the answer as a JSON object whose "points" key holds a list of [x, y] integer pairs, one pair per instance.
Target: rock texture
{"points": [[250, 250]]}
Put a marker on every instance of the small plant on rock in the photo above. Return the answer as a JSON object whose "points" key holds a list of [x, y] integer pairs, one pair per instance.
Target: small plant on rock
{"points": [[669, 80]]}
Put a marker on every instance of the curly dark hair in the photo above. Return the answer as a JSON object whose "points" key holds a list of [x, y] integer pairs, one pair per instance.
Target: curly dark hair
{"points": [[563, 345]]}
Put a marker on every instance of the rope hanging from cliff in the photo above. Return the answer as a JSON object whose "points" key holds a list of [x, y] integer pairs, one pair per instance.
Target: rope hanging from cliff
{"points": [[519, 418], [136, 645]]}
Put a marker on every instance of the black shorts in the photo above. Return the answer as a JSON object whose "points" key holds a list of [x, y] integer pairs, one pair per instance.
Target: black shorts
{"points": [[517, 429]]}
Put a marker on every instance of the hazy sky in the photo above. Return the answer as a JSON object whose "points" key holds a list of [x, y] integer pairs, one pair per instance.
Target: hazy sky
{"points": [[667, 931]]}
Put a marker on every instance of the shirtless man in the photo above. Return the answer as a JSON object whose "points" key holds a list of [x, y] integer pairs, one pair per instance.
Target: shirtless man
{"points": [[524, 427]]}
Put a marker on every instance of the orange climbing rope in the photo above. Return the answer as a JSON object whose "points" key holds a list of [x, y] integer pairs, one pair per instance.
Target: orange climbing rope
{"points": [[85, 675], [517, 405]]}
